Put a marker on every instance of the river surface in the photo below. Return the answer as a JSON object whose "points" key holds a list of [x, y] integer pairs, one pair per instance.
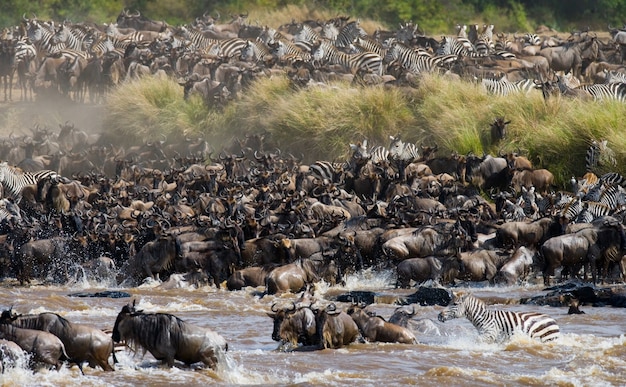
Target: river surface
{"points": [[591, 351]]}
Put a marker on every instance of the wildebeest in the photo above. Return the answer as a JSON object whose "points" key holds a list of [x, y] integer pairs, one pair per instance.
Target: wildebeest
{"points": [[517, 267], [294, 276], [168, 338], [83, 343], [298, 326], [531, 234], [498, 129], [569, 56], [154, 257], [335, 328], [401, 316], [441, 239], [375, 328], [418, 270], [250, 276], [45, 347]]}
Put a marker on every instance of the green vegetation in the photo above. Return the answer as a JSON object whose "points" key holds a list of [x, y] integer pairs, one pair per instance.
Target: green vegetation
{"points": [[320, 122], [433, 16]]}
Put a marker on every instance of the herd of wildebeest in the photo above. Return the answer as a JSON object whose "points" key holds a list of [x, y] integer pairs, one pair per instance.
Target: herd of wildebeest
{"points": [[75, 207]]}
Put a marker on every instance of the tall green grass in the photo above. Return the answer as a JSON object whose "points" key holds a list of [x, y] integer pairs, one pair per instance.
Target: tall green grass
{"points": [[320, 122]]}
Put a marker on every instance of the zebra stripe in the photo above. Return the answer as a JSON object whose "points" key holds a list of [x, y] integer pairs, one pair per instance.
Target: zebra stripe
{"points": [[348, 34], [379, 154], [603, 92], [367, 61], [288, 51], [499, 325], [14, 180], [532, 39], [503, 87], [592, 210], [255, 51], [612, 76], [328, 172]]}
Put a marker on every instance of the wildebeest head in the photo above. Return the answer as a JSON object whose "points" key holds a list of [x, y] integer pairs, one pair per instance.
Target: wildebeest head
{"points": [[498, 129], [127, 310]]}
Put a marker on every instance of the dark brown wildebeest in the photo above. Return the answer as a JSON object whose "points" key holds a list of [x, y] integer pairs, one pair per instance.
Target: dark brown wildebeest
{"points": [[83, 343], [375, 328], [168, 338]]}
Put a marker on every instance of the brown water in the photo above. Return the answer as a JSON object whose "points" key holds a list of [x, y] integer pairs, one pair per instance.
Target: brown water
{"points": [[591, 351]]}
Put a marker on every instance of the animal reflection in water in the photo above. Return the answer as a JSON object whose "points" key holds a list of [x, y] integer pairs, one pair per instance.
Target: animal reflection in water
{"points": [[167, 337], [499, 325]]}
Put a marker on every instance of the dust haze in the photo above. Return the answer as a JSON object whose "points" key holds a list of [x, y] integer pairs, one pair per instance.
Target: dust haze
{"points": [[20, 118]]}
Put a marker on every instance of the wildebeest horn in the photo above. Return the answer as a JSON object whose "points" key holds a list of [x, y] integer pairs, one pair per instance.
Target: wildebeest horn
{"points": [[274, 307]]}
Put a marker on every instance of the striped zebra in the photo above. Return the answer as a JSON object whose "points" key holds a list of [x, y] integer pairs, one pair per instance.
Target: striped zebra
{"points": [[599, 156], [14, 180], [411, 60], [42, 34], [592, 210], [612, 76], [72, 36], [532, 39], [288, 52], [400, 150], [329, 172], [379, 155], [342, 36], [455, 46], [9, 210], [370, 62], [504, 87], [500, 325], [605, 92], [255, 51]]}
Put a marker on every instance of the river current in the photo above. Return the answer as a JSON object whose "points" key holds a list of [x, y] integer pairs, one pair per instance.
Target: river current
{"points": [[590, 352]]}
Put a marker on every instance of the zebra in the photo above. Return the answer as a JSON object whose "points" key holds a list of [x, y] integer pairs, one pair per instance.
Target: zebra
{"points": [[42, 36], [329, 172], [598, 156], [400, 150], [255, 51], [500, 325], [231, 48], [504, 87], [13, 179], [612, 76], [411, 60], [532, 39], [9, 210], [288, 52], [592, 210], [366, 61], [606, 92], [379, 154]]}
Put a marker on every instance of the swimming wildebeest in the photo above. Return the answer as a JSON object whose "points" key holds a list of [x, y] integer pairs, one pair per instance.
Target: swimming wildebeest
{"points": [[167, 337]]}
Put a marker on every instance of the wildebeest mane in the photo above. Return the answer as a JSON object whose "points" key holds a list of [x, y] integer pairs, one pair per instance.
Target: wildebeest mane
{"points": [[155, 330]]}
